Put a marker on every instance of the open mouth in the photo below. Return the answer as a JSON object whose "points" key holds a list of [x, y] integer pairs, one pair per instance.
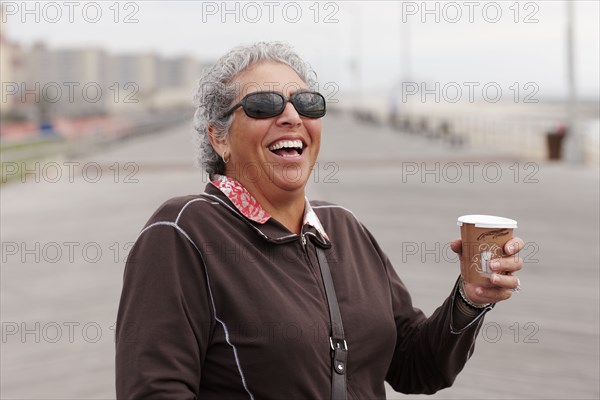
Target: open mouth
{"points": [[287, 148]]}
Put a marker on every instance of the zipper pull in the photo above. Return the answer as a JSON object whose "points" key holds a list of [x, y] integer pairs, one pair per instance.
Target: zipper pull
{"points": [[303, 238]]}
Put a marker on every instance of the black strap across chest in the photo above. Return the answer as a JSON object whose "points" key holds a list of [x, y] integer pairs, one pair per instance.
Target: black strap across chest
{"points": [[337, 340]]}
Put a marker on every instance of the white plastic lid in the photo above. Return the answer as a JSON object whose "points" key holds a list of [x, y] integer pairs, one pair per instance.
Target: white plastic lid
{"points": [[487, 221]]}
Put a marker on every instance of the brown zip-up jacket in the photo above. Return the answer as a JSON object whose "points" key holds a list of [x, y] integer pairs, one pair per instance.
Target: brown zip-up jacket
{"points": [[215, 306]]}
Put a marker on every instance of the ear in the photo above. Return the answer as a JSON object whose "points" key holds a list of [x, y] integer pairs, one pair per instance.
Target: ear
{"points": [[218, 145]]}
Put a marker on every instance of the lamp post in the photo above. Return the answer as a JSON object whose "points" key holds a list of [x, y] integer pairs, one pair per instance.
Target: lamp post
{"points": [[574, 146]]}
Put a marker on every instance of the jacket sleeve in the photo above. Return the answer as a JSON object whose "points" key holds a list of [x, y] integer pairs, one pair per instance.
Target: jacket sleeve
{"points": [[164, 319], [429, 352]]}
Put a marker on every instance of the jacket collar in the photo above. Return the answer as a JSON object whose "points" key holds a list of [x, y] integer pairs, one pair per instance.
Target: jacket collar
{"points": [[230, 192]]}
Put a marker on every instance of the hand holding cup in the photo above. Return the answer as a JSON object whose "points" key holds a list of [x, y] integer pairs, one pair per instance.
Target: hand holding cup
{"points": [[489, 258]]}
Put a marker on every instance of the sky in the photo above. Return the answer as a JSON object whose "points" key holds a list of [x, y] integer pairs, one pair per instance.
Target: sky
{"points": [[517, 46]]}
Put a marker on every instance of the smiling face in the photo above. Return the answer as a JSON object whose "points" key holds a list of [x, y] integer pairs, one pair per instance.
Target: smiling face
{"points": [[271, 157]]}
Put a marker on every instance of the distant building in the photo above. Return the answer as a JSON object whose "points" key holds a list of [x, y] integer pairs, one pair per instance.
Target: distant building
{"points": [[177, 81], [39, 82], [132, 82], [139, 69], [180, 72], [10, 60], [6, 76], [82, 77], [69, 83]]}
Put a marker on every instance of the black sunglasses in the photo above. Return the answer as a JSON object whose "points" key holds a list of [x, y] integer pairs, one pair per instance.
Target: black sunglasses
{"points": [[269, 104]]}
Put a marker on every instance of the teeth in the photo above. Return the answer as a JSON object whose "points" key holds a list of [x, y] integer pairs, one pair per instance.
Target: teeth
{"points": [[290, 144]]}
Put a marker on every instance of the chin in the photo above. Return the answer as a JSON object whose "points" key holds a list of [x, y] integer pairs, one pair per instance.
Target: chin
{"points": [[291, 179]]}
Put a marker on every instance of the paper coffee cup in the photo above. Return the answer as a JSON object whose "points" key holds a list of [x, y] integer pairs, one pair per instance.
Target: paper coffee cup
{"points": [[483, 239]]}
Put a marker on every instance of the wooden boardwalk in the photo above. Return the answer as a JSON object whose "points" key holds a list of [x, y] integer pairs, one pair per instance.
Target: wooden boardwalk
{"points": [[64, 241]]}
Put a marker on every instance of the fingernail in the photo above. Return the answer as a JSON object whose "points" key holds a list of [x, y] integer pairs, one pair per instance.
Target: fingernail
{"points": [[494, 278], [479, 291], [494, 264]]}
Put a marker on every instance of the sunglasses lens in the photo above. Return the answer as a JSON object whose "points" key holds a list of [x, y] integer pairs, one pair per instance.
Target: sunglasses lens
{"points": [[309, 104], [269, 104], [263, 105]]}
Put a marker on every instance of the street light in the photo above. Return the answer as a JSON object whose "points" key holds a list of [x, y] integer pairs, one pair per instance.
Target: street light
{"points": [[574, 145]]}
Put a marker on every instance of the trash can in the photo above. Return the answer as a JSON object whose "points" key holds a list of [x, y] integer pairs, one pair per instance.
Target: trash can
{"points": [[554, 140]]}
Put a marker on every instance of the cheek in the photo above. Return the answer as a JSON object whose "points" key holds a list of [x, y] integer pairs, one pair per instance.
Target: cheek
{"points": [[313, 128], [257, 129], [249, 132]]}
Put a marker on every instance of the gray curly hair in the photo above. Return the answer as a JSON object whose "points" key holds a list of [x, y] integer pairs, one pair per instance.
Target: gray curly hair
{"points": [[216, 92]]}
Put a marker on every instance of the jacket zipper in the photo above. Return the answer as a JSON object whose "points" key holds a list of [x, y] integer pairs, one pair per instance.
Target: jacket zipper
{"points": [[315, 271]]}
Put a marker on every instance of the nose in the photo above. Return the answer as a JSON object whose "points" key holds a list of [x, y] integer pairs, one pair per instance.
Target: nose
{"points": [[289, 116]]}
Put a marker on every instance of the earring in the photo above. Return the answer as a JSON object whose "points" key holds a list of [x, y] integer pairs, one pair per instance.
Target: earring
{"points": [[223, 157]]}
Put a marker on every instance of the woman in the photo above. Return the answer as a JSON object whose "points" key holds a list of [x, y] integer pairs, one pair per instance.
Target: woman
{"points": [[251, 291]]}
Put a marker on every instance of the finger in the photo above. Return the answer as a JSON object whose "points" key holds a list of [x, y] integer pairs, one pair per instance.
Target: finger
{"points": [[505, 281], [506, 265], [456, 246], [492, 294], [513, 246]]}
